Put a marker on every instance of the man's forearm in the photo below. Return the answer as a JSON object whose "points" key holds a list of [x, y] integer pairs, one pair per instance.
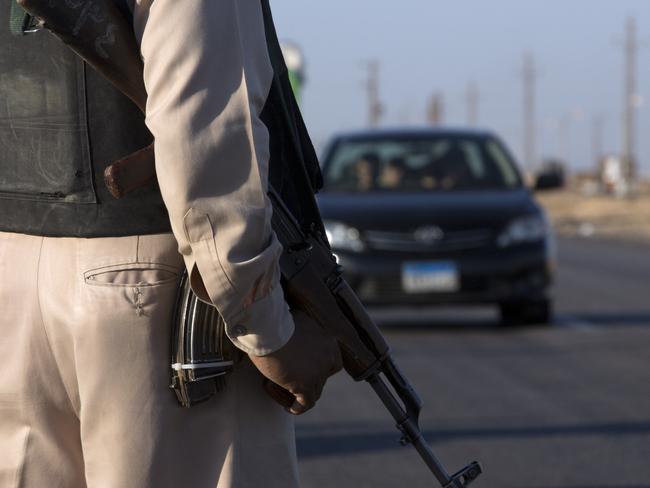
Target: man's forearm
{"points": [[207, 75]]}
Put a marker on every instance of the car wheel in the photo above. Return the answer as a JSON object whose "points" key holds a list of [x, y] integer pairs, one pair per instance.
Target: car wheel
{"points": [[526, 313]]}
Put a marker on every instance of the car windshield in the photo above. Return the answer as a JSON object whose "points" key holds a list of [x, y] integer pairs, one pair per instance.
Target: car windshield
{"points": [[445, 163]]}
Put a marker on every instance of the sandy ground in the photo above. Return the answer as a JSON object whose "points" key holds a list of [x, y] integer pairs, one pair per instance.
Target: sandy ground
{"points": [[598, 216]]}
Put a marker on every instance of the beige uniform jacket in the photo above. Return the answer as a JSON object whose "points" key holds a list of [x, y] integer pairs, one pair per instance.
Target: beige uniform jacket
{"points": [[207, 74]]}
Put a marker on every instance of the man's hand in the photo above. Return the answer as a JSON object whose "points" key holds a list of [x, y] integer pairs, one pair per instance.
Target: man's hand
{"points": [[298, 371]]}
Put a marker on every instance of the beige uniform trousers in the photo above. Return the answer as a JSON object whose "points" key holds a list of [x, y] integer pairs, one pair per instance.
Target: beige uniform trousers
{"points": [[84, 397]]}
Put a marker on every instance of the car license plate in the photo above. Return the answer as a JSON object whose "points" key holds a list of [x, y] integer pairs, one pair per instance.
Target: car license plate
{"points": [[427, 277]]}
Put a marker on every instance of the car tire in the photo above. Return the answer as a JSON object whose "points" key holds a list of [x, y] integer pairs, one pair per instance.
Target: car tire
{"points": [[539, 312]]}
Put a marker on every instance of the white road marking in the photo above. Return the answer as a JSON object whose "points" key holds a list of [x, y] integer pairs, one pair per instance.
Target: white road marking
{"points": [[573, 322]]}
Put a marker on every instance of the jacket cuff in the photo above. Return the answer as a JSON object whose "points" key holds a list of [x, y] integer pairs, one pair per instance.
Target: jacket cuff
{"points": [[258, 328], [263, 327]]}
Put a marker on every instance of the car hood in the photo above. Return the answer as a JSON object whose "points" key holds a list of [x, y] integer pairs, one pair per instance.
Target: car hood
{"points": [[449, 210]]}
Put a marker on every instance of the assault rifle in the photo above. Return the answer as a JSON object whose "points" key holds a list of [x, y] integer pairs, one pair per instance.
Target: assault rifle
{"points": [[312, 279]]}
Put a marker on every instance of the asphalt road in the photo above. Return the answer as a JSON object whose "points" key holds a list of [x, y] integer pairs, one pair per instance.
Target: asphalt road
{"points": [[565, 405]]}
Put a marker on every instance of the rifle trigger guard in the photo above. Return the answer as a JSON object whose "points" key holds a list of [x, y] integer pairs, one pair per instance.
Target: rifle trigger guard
{"points": [[301, 247]]}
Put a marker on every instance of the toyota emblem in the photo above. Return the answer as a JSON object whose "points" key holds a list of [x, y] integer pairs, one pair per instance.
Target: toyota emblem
{"points": [[429, 235]]}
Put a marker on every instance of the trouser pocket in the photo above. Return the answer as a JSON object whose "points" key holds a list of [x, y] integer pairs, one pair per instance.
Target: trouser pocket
{"points": [[132, 274], [13, 446]]}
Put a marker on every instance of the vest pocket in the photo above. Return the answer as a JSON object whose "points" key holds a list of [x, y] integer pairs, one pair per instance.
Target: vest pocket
{"points": [[44, 141]]}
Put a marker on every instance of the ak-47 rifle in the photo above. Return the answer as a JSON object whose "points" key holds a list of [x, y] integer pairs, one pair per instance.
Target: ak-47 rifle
{"points": [[312, 279]]}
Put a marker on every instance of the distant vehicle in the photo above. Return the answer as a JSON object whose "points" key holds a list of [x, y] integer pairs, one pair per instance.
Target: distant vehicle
{"points": [[552, 175], [432, 216]]}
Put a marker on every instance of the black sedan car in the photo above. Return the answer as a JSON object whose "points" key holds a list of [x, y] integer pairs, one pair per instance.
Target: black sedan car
{"points": [[423, 217]]}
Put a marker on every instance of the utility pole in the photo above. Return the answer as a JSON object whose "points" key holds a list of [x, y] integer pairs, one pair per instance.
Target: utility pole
{"points": [[436, 109], [472, 104], [565, 138], [529, 79], [375, 107], [597, 139], [629, 117]]}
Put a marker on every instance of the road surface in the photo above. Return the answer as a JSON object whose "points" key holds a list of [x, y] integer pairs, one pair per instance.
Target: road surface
{"points": [[565, 405]]}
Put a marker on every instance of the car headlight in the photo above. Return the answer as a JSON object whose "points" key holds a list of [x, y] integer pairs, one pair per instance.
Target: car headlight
{"points": [[343, 237], [523, 230]]}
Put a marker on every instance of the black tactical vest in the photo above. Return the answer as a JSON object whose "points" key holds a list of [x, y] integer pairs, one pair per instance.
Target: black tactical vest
{"points": [[61, 124]]}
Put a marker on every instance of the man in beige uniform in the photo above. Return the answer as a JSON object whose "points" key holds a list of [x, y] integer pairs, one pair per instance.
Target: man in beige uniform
{"points": [[88, 286]]}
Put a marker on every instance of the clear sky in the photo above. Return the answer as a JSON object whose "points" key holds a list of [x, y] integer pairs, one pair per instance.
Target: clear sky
{"points": [[428, 46]]}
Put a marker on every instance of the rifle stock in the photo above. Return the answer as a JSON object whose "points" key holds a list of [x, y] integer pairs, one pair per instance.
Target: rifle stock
{"points": [[311, 277], [131, 172]]}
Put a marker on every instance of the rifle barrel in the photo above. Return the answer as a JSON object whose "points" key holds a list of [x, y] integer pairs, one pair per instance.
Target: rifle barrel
{"points": [[409, 428]]}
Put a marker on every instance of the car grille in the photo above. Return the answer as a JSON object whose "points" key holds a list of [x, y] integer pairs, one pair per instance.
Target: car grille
{"points": [[407, 241]]}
